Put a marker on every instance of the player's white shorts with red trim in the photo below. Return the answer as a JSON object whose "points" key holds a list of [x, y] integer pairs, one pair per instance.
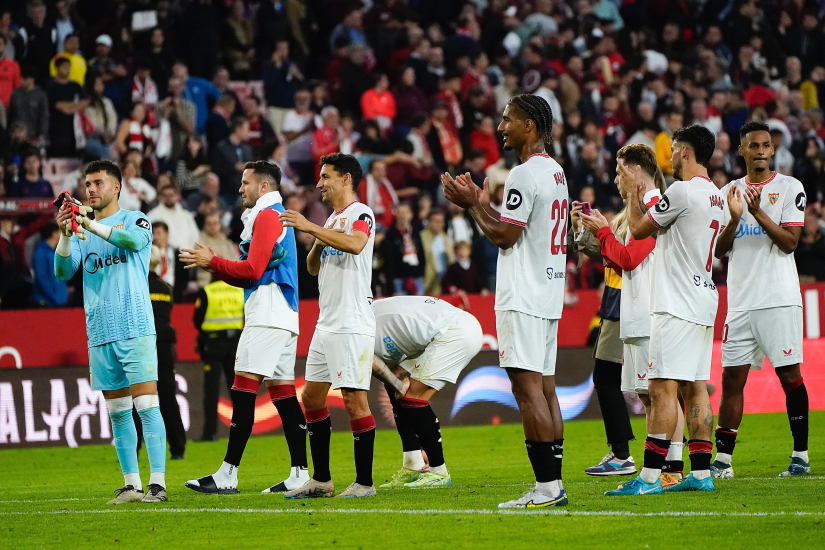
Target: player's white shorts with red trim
{"points": [[775, 332], [267, 351], [679, 349], [447, 354], [527, 342], [635, 365], [343, 360]]}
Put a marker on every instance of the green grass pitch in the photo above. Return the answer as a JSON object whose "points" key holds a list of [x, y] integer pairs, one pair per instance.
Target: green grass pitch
{"points": [[56, 498]]}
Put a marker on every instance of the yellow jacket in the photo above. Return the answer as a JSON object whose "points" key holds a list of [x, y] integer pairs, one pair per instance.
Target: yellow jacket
{"points": [[77, 73], [661, 145]]}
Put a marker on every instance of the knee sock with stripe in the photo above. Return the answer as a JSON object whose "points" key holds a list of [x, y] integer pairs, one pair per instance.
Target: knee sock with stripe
{"points": [[700, 453], [656, 448], [428, 430], [319, 428], [363, 435]]}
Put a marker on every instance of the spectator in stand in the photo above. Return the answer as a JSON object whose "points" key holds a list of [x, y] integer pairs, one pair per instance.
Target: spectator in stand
{"points": [[438, 252], [450, 88], [645, 135], [66, 24], [463, 276], [505, 90], [484, 138], [77, 73], [326, 139], [159, 58], [15, 277], [477, 76], [9, 74], [135, 133], [757, 94], [47, 291], [181, 114], [214, 238], [36, 42], [590, 172], [238, 42], [350, 27], [319, 91], [297, 128], [103, 64], [473, 110], [29, 107], [198, 37], [66, 99], [378, 193], [673, 121], [198, 91], [211, 189], [180, 223], [782, 160], [166, 267], [808, 170], [810, 253], [261, 134], [144, 89], [405, 254], [378, 103], [409, 98], [135, 193], [280, 77], [474, 163], [435, 72], [217, 123], [229, 156], [354, 79], [31, 182], [220, 79], [103, 118], [448, 140]]}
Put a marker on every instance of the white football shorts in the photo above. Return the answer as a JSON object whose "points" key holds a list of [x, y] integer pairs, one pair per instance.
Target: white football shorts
{"points": [[635, 365], [447, 354], [343, 360], [267, 351], [527, 342], [775, 332], [679, 349]]}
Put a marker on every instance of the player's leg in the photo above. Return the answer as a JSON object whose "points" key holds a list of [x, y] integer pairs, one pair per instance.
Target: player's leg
{"points": [[412, 462], [169, 409], [390, 380], [796, 403], [210, 352], [422, 418], [281, 388], [673, 470]]}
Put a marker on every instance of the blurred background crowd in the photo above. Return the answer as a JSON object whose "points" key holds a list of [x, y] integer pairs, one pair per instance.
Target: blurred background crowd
{"points": [[183, 93]]}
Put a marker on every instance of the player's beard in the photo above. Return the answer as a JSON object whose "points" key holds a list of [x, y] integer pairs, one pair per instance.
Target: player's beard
{"points": [[677, 170]]}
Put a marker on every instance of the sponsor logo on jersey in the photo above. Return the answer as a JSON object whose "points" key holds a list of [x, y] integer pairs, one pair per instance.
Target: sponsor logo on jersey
{"points": [[801, 201], [787, 352], [663, 205], [716, 200], [392, 349], [118, 226], [141, 222], [643, 376], [748, 229], [340, 373], [94, 263], [556, 275], [773, 197], [513, 199], [367, 218]]}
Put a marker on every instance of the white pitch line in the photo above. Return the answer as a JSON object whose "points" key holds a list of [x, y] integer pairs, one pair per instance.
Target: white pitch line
{"points": [[555, 512]]}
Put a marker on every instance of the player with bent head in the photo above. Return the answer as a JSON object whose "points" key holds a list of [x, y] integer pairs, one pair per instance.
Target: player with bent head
{"points": [[268, 273], [119, 323], [761, 240], [433, 341], [683, 302], [530, 233], [340, 354]]}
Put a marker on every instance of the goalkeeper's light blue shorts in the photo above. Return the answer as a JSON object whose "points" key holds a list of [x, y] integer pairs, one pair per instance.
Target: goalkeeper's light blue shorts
{"points": [[123, 363]]}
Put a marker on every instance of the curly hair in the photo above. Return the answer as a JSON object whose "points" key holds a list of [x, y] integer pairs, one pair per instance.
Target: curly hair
{"points": [[538, 110]]}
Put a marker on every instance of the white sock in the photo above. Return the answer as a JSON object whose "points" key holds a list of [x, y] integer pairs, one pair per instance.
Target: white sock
{"points": [[549, 488], [650, 475], [297, 477], [133, 480], [800, 454], [700, 474], [158, 478], [442, 470], [674, 452], [226, 476], [413, 460], [724, 458]]}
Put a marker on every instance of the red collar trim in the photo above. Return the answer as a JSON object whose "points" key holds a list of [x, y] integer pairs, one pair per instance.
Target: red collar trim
{"points": [[703, 177], [344, 208], [767, 181], [544, 155]]}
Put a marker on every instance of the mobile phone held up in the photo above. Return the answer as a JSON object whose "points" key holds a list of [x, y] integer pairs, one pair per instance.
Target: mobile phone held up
{"points": [[586, 210]]}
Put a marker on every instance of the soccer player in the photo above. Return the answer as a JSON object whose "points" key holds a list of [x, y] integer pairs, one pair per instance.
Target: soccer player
{"points": [[683, 304], [268, 272], [530, 233], [120, 326], [340, 354], [634, 257], [433, 341], [761, 240]]}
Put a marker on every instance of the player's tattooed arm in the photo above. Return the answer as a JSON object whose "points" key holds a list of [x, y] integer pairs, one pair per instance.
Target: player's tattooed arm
{"points": [[724, 243], [785, 238], [464, 193]]}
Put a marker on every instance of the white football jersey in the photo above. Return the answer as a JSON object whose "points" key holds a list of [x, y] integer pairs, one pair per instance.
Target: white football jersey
{"points": [[344, 280], [635, 300], [691, 214], [530, 274], [755, 261], [405, 325]]}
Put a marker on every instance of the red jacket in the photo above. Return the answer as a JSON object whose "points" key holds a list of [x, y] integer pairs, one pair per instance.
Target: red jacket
{"points": [[487, 143], [623, 257]]}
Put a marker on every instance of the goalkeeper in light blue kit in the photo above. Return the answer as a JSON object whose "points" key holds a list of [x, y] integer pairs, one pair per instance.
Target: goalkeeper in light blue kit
{"points": [[113, 253]]}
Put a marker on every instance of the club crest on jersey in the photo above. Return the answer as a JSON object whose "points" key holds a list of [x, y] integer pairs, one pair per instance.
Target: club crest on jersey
{"points": [[773, 197], [342, 222]]}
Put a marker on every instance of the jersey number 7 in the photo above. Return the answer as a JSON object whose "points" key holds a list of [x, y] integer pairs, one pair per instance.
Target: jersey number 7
{"points": [[715, 226], [559, 214]]}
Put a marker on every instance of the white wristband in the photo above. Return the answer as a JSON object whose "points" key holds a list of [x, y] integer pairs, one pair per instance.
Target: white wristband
{"points": [[64, 246], [102, 231]]}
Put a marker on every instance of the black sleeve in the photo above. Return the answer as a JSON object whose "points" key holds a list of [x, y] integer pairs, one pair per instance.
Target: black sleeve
{"points": [[200, 308]]}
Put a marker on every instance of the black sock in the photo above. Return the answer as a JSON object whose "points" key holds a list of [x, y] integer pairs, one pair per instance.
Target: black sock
{"points": [[244, 393], [294, 422], [406, 429], [621, 450], [607, 379], [655, 452], [700, 453], [677, 466], [558, 453], [363, 435], [427, 428], [796, 402], [542, 460], [725, 440], [319, 427]]}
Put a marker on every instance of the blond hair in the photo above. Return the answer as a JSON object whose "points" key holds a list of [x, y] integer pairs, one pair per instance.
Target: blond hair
{"points": [[637, 154]]}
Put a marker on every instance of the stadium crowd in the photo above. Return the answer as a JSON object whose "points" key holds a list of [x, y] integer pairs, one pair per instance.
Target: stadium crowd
{"points": [[182, 94]]}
